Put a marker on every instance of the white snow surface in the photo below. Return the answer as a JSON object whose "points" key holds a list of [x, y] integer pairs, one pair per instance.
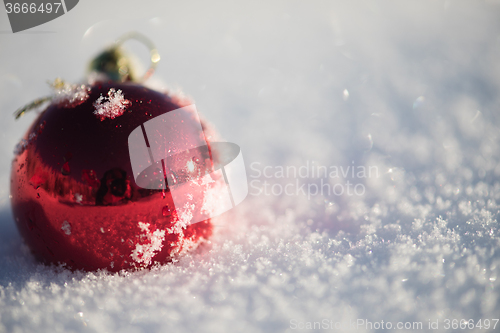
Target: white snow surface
{"points": [[409, 88]]}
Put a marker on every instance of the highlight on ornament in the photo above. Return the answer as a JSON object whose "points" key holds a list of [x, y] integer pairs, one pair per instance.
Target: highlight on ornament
{"points": [[115, 175]]}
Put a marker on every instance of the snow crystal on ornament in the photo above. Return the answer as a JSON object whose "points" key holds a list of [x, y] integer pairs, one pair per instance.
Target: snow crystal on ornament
{"points": [[24, 143], [21, 147], [78, 198], [143, 253], [69, 95], [66, 227], [112, 106]]}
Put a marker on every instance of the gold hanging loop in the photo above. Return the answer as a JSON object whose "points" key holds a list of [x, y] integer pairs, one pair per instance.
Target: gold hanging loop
{"points": [[153, 52], [115, 64]]}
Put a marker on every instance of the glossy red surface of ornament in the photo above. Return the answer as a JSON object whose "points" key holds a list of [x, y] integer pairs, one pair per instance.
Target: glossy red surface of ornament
{"points": [[74, 198]]}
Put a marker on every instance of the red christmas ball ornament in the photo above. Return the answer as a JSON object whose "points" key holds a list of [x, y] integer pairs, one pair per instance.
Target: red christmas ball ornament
{"points": [[88, 188]]}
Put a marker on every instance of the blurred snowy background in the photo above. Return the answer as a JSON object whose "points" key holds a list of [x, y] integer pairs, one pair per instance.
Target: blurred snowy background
{"points": [[409, 87]]}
